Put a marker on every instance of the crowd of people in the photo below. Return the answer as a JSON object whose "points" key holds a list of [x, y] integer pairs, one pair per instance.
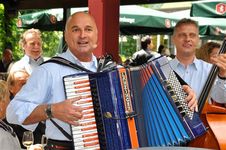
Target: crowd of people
{"points": [[27, 102]]}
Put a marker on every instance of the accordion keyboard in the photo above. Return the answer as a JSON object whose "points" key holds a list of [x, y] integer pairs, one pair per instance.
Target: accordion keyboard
{"points": [[85, 135]]}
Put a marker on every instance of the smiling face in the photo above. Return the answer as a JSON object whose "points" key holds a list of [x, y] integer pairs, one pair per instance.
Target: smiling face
{"points": [[81, 35], [33, 45], [186, 39]]}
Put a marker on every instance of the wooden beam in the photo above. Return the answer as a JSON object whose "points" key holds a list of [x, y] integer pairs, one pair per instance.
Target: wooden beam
{"points": [[106, 14], [43, 4]]}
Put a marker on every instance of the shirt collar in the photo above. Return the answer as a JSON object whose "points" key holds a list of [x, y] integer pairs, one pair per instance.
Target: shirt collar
{"points": [[176, 63], [32, 61], [196, 63], [76, 60]]}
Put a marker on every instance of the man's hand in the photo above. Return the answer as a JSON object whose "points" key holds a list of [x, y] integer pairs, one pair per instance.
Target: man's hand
{"points": [[67, 111], [191, 98], [220, 61]]}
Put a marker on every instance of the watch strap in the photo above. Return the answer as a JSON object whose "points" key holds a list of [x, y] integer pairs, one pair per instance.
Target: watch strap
{"points": [[48, 111]]}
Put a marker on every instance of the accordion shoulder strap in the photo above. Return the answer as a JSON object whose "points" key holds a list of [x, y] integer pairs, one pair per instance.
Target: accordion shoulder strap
{"points": [[62, 130], [65, 62], [104, 63]]}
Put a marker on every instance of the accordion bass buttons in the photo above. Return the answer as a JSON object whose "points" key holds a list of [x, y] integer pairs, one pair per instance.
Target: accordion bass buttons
{"points": [[171, 92], [175, 98]]}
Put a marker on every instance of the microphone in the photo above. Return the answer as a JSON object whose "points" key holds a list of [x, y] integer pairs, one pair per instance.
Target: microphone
{"points": [[94, 46]]}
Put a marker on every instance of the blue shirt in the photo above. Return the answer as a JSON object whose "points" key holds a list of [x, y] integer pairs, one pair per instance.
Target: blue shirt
{"points": [[196, 75], [45, 85]]}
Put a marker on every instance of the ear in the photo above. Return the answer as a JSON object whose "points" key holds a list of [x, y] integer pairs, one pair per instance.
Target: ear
{"points": [[198, 38], [23, 46], [65, 36]]}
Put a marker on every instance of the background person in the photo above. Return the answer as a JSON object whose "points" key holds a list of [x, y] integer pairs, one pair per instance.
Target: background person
{"points": [[8, 139], [16, 80], [208, 50], [192, 70], [31, 43], [7, 59], [142, 56], [166, 52], [160, 48]]}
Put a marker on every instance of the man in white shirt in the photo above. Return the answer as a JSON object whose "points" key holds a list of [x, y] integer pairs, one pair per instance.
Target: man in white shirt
{"points": [[31, 43]]}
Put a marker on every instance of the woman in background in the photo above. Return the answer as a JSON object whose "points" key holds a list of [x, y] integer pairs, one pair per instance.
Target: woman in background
{"points": [[208, 50], [8, 138]]}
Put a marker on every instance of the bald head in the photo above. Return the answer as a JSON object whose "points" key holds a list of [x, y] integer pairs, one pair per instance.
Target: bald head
{"points": [[81, 35], [79, 15]]}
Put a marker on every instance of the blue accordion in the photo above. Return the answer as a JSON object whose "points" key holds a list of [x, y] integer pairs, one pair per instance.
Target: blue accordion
{"points": [[132, 107]]}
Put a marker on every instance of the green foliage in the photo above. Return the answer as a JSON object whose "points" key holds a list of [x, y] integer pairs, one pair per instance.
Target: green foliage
{"points": [[2, 26], [127, 48], [50, 42]]}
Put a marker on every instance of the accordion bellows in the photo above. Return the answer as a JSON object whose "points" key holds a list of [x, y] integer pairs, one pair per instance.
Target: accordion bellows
{"points": [[168, 120], [132, 107]]}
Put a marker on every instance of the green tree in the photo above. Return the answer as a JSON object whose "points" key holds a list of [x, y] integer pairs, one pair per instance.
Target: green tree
{"points": [[51, 41], [2, 28], [128, 47], [8, 32]]}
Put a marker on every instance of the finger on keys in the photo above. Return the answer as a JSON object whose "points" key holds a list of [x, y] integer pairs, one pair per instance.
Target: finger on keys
{"points": [[74, 99], [75, 123], [187, 91], [190, 93]]}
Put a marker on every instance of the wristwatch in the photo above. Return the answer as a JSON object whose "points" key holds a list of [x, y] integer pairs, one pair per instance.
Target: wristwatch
{"points": [[48, 111]]}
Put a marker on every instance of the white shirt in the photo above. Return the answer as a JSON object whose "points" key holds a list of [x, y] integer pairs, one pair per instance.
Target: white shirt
{"points": [[26, 63]]}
